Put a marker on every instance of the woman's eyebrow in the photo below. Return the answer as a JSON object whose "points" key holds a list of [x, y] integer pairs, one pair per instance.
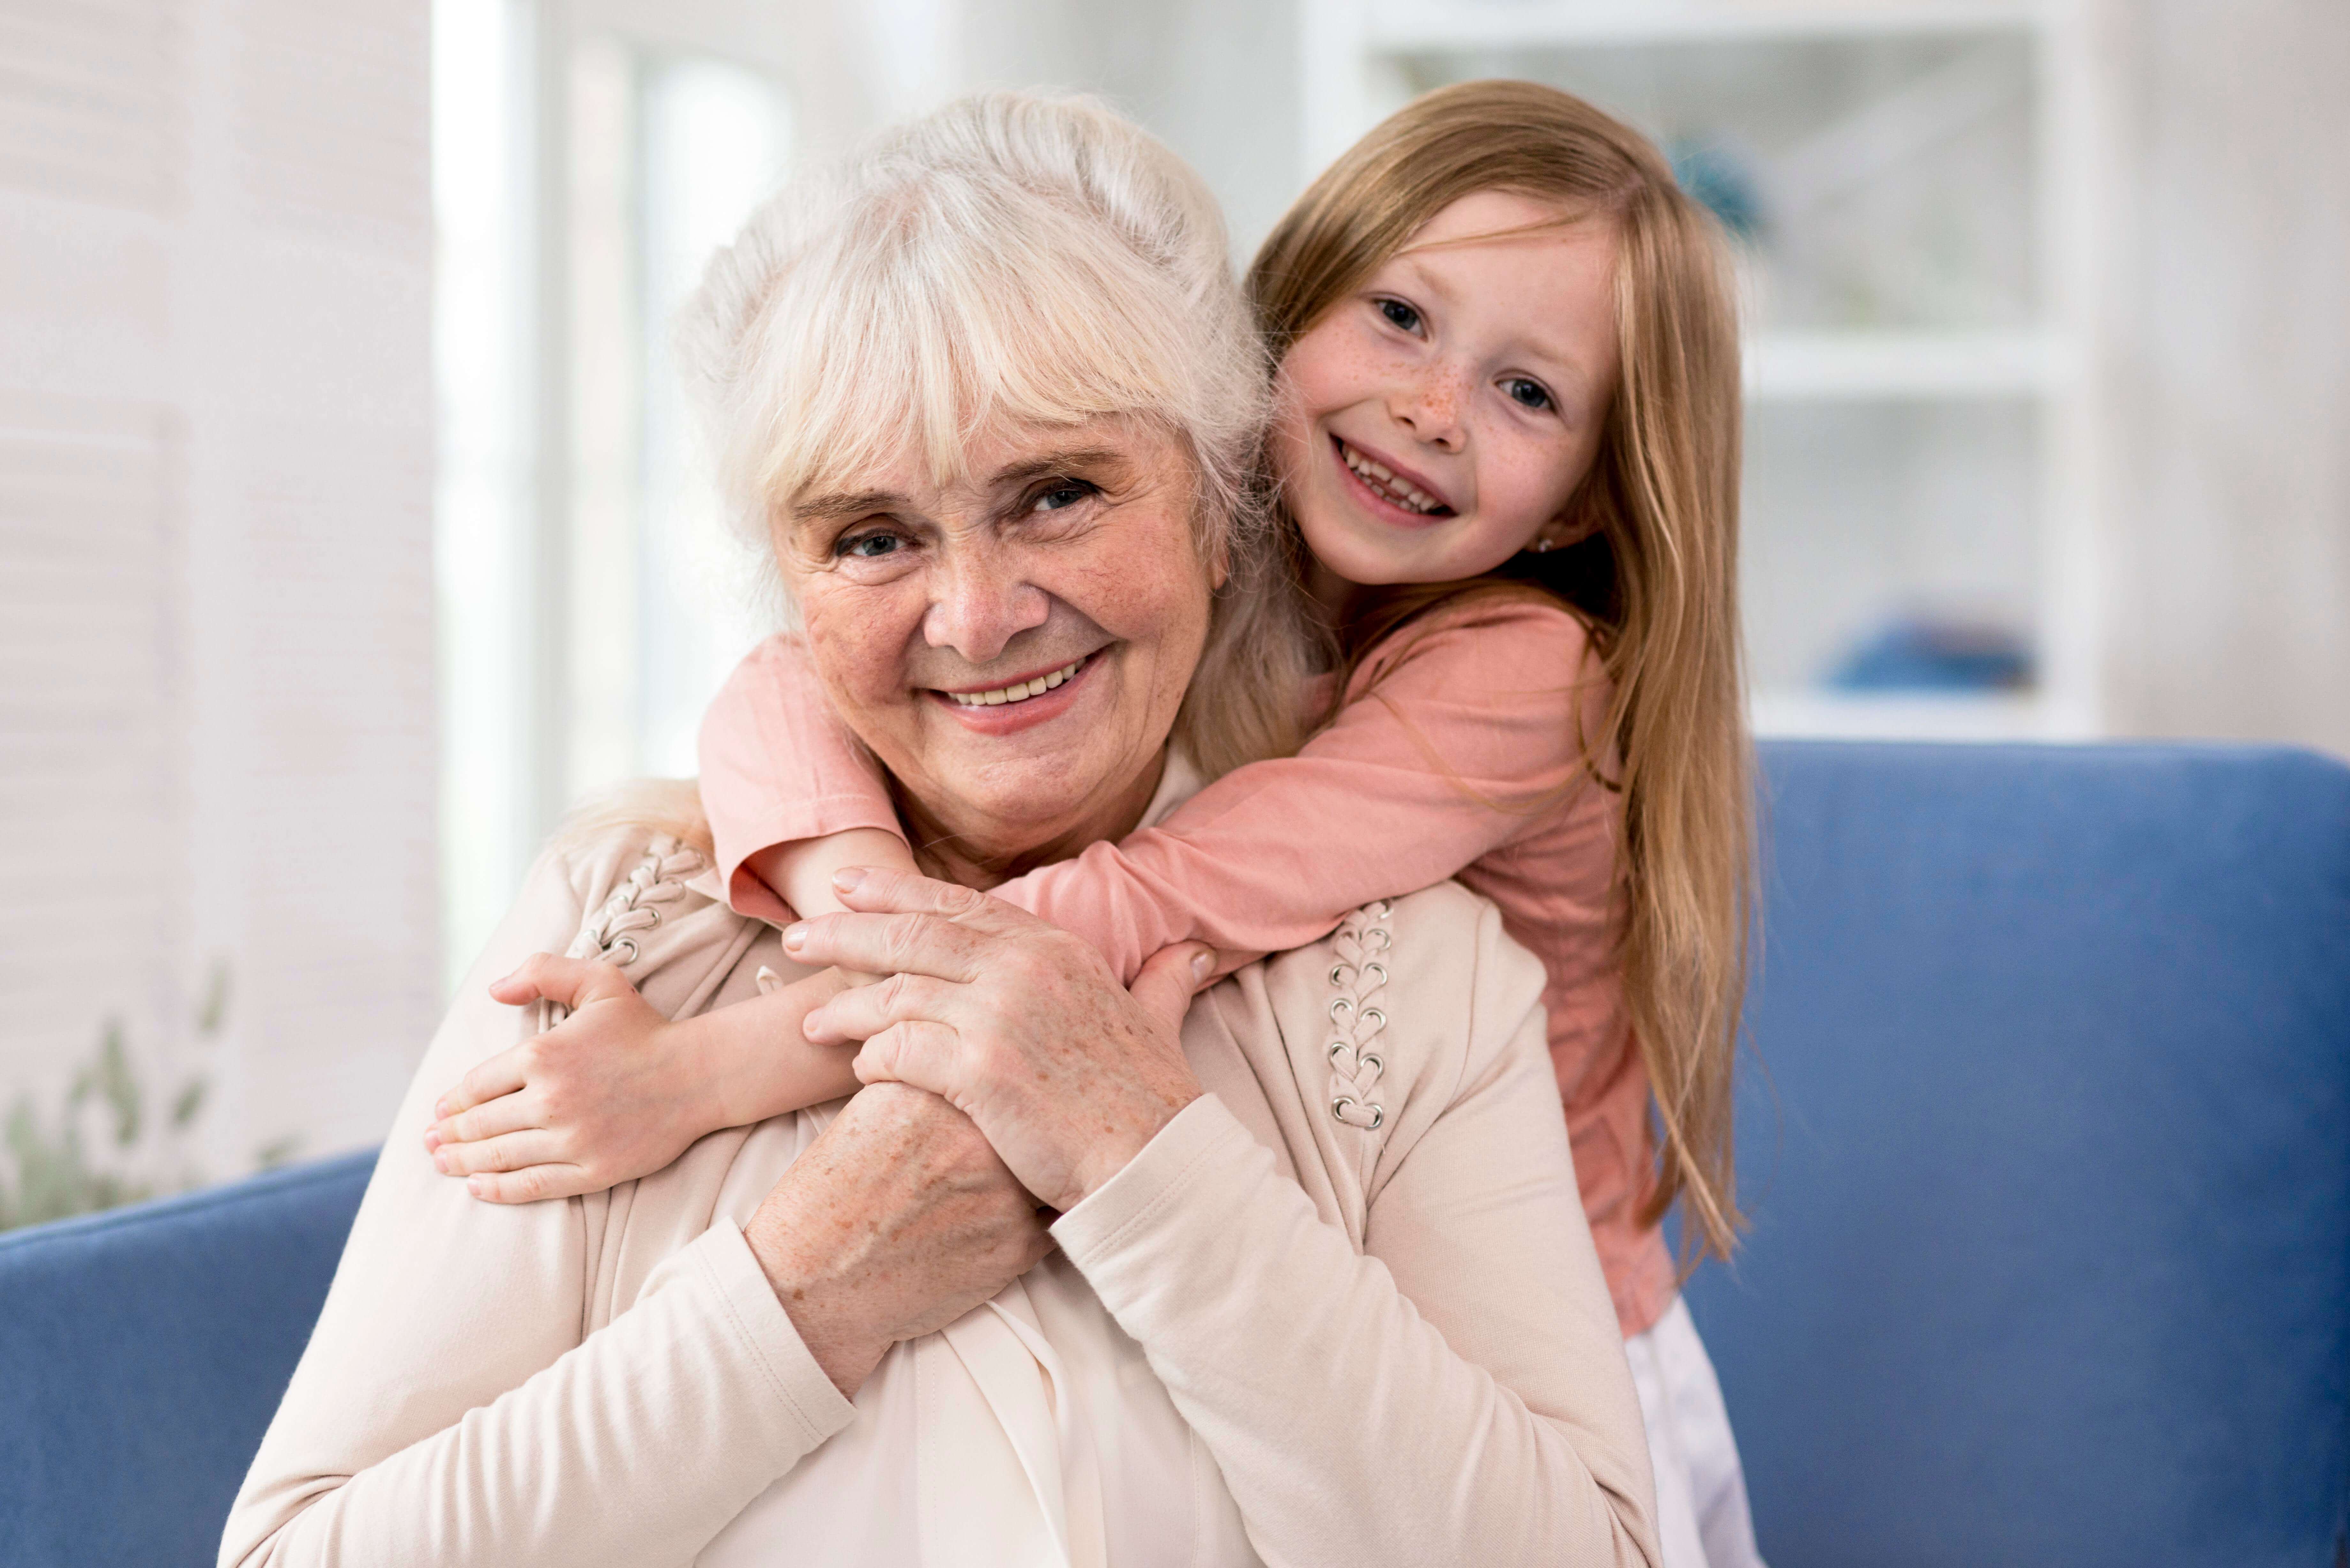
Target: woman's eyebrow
{"points": [[1045, 465], [841, 508]]}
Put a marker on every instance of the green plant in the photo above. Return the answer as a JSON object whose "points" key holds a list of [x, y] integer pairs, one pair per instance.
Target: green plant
{"points": [[59, 1172]]}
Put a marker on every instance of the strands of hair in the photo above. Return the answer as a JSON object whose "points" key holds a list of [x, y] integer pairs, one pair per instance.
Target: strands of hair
{"points": [[1657, 579]]}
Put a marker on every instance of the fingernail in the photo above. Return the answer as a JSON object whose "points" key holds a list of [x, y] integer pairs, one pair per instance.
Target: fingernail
{"points": [[440, 1161], [441, 1107], [473, 1185], [1202, 966], [794, 938], [847, 878], [432, 1138]]}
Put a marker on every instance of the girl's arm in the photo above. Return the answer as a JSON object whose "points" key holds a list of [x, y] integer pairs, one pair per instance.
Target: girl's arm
{"points": [[779, 773], [1451, 740], [616, 1091]]}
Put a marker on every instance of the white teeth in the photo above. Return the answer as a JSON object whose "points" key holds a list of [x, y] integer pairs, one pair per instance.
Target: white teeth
{"points": [[1380, 477], [1020, 691]]}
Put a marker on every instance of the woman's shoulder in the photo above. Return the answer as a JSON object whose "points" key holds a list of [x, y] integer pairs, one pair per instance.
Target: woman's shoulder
{"points": [[643, 891], [1377, 1028]]}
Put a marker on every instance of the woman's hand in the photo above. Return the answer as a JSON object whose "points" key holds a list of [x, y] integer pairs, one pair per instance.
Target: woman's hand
{"points": [[895, 1222], [1012, 1022], [616, 1091]]}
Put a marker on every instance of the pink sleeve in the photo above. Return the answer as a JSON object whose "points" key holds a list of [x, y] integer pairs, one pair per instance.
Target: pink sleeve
{"points": [[778, 766], [1446, 749]]}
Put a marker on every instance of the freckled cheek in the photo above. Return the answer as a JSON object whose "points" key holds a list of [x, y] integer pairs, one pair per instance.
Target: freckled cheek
{"points": [[858, 638]]}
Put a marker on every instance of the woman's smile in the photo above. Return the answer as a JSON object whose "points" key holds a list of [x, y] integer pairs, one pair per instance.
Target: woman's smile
{"points": [[1023, 703]]}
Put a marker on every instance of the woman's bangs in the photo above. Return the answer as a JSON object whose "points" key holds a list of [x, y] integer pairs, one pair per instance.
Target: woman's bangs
{"points": [[941, 328]]}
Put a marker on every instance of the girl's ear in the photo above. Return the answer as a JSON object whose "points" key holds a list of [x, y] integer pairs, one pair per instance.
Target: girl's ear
{"points": [[1572, 526]]}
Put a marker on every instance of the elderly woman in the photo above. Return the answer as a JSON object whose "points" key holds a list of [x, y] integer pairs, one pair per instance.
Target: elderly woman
{"points": [[993, 392]]}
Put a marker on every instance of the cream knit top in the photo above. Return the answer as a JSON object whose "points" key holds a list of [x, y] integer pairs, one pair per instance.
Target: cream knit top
{"points": [[1344, 1309]]}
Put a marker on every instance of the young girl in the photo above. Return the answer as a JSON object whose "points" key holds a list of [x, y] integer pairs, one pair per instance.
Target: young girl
{"points": [[1508, 440]]}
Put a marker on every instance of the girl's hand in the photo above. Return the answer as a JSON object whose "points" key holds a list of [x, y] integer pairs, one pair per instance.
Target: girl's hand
{"points": [[614, 1092]]}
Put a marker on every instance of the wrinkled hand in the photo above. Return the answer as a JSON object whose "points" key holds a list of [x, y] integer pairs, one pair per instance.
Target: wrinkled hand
{"points": [[895, 1222], [1014, 1023]]}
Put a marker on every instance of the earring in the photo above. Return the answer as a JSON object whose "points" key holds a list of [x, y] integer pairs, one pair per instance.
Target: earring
{"points": [[1540, 547]]}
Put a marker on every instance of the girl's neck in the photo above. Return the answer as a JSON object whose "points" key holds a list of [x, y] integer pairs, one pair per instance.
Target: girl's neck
{"points": [[1333, 595]]}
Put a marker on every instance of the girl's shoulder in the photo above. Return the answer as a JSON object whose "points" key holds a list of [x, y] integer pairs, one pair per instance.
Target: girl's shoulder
{"points": [[1532, 636]]}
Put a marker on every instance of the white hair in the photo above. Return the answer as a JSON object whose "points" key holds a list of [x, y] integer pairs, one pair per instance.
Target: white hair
{"points": [[1009, 260]]}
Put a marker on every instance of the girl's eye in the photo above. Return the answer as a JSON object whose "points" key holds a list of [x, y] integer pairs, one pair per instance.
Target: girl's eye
{"points": [[1399, 315], [1061, 494], [868, 546], [1526, 393]]}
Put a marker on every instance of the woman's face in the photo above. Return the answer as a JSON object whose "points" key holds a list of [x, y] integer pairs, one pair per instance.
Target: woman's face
{"points": [[1438, 418], [1012, 646]]}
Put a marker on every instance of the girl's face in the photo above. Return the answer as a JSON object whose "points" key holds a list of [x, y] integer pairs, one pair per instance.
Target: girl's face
{"points": [[1438, 421]]}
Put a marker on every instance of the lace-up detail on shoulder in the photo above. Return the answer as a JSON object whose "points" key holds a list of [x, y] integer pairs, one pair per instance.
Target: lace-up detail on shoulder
{"points": [[1356, 978], [610, 931]]}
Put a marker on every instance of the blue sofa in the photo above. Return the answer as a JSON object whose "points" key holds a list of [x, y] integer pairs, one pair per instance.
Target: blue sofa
{"points": [[2046, 1140]]}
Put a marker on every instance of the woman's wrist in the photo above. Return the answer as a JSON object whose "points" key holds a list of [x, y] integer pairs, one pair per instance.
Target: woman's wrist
{"points": [[818, 1302], [1119, 1149]]}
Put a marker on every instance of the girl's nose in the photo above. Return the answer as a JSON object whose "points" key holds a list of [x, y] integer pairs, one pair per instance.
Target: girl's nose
{"points": [[1430, 405], [980, 601]]}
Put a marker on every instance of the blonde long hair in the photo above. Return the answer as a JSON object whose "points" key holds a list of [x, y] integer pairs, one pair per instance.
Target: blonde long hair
{"points": [[1657, 579]]}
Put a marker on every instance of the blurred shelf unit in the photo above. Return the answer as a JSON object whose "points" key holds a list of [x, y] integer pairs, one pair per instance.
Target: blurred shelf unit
{"points": [[1910, 185]]}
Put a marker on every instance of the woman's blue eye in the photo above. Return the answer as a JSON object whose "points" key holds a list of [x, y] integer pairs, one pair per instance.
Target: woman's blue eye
{"points": [[1400, 315], [1527, 393], [869, 546], [1062, 497]]}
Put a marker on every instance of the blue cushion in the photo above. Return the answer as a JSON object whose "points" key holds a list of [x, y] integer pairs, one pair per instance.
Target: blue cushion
{"points": [[2046, 1140], [143, 1353]]}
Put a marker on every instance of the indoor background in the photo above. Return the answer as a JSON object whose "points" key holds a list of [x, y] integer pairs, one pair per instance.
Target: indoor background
{"points": [[350, 525]]}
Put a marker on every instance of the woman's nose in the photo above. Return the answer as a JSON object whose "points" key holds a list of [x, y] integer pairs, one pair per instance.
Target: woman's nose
{"points": [[980, 601], [1430, 405]]}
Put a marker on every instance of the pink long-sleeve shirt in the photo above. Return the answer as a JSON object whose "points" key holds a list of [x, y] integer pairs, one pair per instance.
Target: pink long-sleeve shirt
{"points": [[1462, 749]]}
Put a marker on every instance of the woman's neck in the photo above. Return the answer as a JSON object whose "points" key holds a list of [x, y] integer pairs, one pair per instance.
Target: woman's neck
{"points": [[982, 854]]}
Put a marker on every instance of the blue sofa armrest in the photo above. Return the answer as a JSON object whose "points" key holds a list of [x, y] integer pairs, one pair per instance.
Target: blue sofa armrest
{"points": [[143, 1353]]}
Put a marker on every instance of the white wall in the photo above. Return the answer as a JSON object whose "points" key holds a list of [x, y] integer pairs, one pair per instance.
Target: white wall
{"points": [[216, 742], [2228, 542]]}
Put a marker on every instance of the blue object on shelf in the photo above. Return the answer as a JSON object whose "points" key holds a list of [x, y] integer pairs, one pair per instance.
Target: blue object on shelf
{"points": [[1712, 173], [1936, 656]]}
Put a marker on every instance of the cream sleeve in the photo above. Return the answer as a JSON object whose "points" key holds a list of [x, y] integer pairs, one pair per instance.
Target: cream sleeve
{"points": [[1457, 1391], [450, 1410]]}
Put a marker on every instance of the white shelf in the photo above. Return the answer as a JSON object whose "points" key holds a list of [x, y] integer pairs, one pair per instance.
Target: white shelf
{"points": [[1906, 716], [1403, 26], [1886, 365]]}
